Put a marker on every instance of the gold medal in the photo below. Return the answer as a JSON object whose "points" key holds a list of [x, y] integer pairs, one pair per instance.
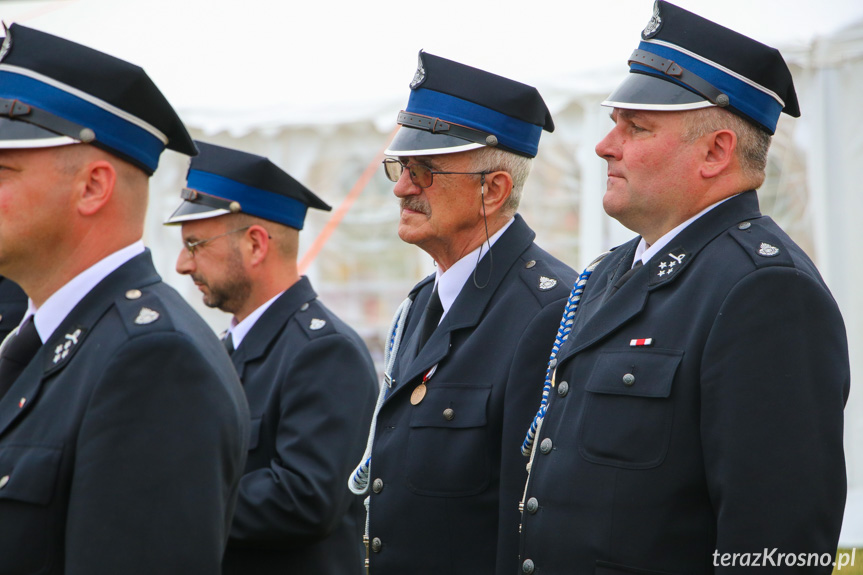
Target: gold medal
{"points": [[418, 394]]}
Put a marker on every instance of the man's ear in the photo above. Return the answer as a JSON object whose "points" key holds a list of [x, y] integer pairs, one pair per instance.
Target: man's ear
{"points": [[95, 183], [498, 187], [720, 151], [259, 242]]}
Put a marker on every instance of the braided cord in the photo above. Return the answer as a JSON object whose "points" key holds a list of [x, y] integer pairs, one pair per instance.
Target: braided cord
{"points": [[358, 482], [563, 331]]}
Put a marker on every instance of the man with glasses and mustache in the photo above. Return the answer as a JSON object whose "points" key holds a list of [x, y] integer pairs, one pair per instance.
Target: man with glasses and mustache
{"points": [[470, 344], [308, 377]]}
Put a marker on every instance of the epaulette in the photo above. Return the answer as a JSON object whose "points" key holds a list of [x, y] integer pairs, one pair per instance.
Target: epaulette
{"points": [[763, 247], [143, 311], [542, 281], [314, 320]]}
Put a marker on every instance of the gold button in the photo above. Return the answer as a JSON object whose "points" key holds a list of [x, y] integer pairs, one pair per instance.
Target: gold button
{"points": [[133, 294]]}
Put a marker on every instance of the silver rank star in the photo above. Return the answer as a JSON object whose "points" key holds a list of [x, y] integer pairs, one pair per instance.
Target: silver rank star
{"points": [[62, 350]]}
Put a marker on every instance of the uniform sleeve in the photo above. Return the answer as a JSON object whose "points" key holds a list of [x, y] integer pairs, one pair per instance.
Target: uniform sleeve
{"points": [[523, 396], [325, 407], [775, 379], [160, 449]]}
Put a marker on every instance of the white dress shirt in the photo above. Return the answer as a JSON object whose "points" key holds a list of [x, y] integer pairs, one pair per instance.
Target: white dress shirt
{"points": [[450, 282], [239, 330], [645, 252], [51, 314]]}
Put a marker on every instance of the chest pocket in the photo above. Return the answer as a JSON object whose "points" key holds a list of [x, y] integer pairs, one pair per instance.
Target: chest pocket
{"points": [[448, 444], [28, 482], [628, 409], [28, 473]]}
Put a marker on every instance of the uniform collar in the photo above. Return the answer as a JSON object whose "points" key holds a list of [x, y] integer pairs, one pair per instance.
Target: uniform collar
{"points": [[51, 314], [644, 252], [238, 330], [450, 283]]}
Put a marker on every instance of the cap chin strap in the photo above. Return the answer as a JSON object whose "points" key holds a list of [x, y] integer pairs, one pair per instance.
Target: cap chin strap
{"points": [[438, 126], [17, 110], [682, 75]]}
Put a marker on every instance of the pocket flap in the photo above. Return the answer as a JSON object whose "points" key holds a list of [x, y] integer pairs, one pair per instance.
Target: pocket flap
{"points": [[254, 433], [28, 473], [638, 373], [452, 406]]}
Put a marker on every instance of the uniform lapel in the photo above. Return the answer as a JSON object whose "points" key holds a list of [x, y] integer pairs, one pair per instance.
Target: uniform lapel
{"points": [[63, 344], [256, 343], [599, 317], [467, 309]]}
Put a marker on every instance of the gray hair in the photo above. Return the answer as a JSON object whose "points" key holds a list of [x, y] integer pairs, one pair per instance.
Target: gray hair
{"points": [[488, 159], [753, 142]]}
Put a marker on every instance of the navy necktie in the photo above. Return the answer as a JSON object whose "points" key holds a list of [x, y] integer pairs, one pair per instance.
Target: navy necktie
{"points": [[228, 342], [431, 318], [17, 353]]}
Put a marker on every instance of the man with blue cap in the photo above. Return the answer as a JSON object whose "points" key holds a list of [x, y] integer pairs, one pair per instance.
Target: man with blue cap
{"points": [[694, 421], [308, 377], [123, 428], [467, 354]]}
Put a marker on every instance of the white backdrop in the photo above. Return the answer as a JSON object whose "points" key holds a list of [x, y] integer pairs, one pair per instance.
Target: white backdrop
{"points": [[316, 87]]}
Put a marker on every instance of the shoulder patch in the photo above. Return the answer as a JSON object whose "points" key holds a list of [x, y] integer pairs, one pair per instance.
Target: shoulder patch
{"points": [[763, 247], [314, 320], [542, 281], [143, 311]]}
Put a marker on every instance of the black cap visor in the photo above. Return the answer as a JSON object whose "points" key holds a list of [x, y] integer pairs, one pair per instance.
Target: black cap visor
{"points": [[190, 211], [414, 142], [646, 92], [15, 134]]}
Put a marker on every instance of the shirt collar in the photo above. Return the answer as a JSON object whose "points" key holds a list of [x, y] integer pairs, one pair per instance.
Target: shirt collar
{"points": [[239, 330], [51, 314], [644, 253], [450, 282]]}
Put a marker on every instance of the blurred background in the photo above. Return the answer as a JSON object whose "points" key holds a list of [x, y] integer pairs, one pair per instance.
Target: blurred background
{"points": [[316, 87]]}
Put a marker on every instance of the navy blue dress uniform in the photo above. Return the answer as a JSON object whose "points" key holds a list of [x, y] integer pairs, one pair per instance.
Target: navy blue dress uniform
{"points": [[697, 407], [123, 438], [13, 304], [446, 473], [311, 386]]}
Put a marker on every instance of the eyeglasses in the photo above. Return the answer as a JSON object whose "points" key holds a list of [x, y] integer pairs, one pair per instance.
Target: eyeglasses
{"points": [[421, 176], [193, 246]]}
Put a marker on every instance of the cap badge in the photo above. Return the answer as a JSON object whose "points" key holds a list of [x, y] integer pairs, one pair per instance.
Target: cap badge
{"points": [[7, 43], [654, 25], [767, 250], [317, 324], [420, 74], [146, 315], [62, 350], [546, 284]]}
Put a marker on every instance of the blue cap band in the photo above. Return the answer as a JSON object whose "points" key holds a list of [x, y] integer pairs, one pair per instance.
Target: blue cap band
{"points": [[253, 201], [111, 130], [511, 133], [757, 104]]}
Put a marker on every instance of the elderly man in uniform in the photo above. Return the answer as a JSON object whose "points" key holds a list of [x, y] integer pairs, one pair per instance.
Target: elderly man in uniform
{"points": [[695, 415], [472, 339], [308, 376], [123, 428]]}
